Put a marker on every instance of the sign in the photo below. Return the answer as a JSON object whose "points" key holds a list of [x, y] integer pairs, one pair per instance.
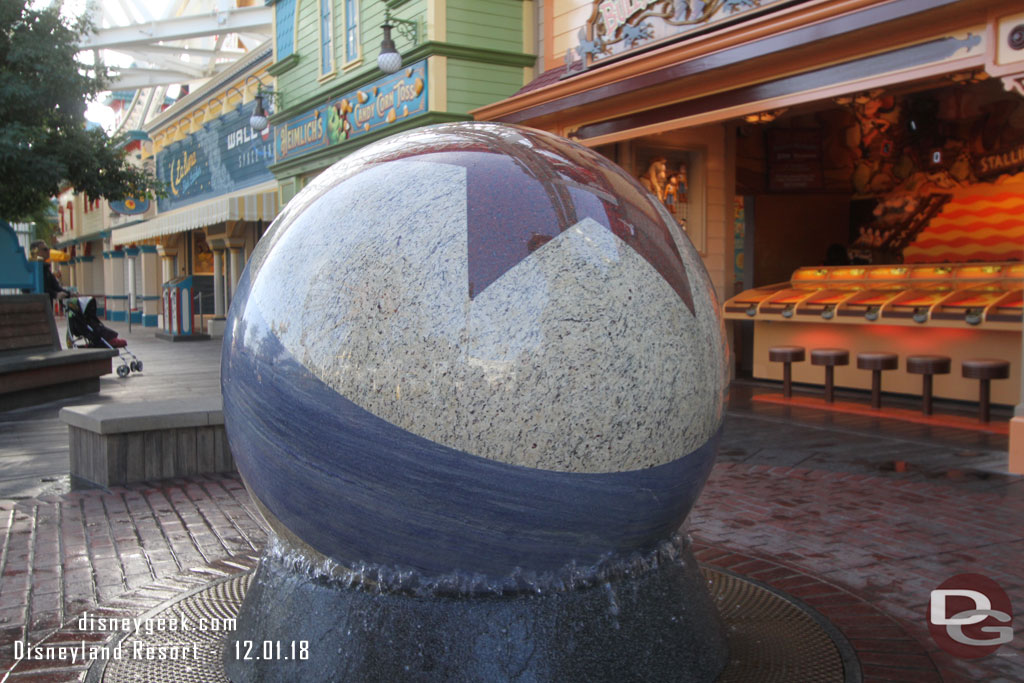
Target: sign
{"points": [[301, 135], [974, 601], [617, 27], [1002, 161], [376, 105], [130, 206], [794, 159], [225, 156]]}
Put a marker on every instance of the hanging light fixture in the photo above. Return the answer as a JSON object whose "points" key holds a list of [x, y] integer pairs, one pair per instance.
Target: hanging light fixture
{"points": [[765, 116], [388, 59], [259, 119]]}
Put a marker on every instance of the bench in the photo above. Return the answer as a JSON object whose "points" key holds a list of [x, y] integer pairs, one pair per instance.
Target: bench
{"points": [[114, 444], [33, 367]]}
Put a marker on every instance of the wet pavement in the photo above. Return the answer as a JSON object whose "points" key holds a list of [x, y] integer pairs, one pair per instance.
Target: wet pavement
{"points": [[859, 516]]}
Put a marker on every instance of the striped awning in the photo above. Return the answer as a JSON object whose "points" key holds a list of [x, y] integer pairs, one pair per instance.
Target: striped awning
{"points": [[257, 203]]}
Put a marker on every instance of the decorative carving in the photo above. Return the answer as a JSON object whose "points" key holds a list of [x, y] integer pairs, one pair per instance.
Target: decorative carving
{"points": [[619, 26], [1014, 83], [634, 34], [1016, 37]]}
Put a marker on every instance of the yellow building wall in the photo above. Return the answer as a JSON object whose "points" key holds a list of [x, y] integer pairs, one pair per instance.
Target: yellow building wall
{"points": [[562, 22], [719, 192]]}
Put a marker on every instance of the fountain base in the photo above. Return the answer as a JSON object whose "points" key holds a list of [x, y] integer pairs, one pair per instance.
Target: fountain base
{"points": [[656, 625], [773, 637]]}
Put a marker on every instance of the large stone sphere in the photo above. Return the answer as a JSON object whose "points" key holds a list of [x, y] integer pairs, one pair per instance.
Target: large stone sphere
{"points": [[479, 349]]}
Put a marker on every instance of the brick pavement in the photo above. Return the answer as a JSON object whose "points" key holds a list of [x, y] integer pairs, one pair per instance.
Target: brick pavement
{"points": [[64, 555], [863, 550], [885, 539], [860, 517]]}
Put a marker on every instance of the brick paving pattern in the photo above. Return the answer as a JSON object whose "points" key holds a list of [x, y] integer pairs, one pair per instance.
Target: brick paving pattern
{"points": [[858, 516], [65, 555], [886, 541]]}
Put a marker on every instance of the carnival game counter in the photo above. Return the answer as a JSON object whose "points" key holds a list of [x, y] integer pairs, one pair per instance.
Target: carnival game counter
{"points": [[957, 310]]}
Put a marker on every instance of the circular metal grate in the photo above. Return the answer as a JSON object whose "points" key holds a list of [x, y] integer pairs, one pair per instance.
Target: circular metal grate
{"points": [[771, 637], [201, 649], [774, 638]]}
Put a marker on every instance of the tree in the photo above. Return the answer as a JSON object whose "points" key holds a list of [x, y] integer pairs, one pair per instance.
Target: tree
{"points": [[44, 141]]}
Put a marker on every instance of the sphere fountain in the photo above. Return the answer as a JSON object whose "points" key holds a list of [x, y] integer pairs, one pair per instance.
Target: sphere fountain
{"points": [[473, 378]]}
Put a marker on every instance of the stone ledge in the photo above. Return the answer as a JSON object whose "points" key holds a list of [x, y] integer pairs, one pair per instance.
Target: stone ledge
{"points": [[123, 443], [120, 418]]}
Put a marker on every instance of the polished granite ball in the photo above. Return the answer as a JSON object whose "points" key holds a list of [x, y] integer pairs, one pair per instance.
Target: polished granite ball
{"points": [[474, 347]]}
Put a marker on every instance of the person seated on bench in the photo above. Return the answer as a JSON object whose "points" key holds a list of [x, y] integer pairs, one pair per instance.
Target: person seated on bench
{"points": [[51, 285]]}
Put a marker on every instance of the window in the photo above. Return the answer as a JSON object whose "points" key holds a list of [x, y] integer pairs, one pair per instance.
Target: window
{"points": [[351, 30], [326, 39]]}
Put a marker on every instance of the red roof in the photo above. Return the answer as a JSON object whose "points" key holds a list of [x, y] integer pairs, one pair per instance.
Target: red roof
{"points": [[547, 78]]}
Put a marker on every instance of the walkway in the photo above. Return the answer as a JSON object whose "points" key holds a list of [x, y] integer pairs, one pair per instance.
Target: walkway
{"points": [[860, 517], [34, 443]]}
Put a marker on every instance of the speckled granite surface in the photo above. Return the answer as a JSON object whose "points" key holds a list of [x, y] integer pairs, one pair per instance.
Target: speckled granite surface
{"points": [[578, 355], [474, 347], [475, 362]]}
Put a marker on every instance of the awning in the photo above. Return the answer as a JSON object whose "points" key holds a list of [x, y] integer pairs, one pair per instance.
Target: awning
{"points": [[258, 203]]}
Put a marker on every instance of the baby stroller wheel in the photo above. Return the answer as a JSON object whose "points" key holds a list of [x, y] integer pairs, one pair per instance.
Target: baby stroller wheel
{"points": [[122, 370], [138, 366], [134, 365]]}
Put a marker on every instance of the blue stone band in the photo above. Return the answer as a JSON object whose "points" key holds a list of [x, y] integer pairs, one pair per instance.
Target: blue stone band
{"points": [[361, 490]]}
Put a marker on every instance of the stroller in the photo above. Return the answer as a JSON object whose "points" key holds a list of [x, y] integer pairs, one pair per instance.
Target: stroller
{"points": [[86, 331]]}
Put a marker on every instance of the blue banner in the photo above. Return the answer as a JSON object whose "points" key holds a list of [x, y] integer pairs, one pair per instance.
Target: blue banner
{"points": [[225, 156], [377, 104]]}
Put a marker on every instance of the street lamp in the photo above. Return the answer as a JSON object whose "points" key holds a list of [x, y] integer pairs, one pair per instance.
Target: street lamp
{"points": [[388, 60], [260, 119]]}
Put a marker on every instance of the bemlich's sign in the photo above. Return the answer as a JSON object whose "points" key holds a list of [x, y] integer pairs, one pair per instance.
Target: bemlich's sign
{"points": [[617, 27], [375, 105]]}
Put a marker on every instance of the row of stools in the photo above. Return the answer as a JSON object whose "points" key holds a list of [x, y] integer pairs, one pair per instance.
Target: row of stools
{"points": [[982, 369]]}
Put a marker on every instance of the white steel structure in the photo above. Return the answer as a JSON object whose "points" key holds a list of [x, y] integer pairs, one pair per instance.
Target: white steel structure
{"points": [[174, 42]]}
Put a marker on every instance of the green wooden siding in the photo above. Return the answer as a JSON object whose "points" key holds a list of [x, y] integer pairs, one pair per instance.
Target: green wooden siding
{"points": [[371, 19], [490, 25], [493, 25], [483, 48], [474, 84]]}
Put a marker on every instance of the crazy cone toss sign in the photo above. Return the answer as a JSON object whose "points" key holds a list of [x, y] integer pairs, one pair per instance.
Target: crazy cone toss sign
{"points": [[970, 616]]}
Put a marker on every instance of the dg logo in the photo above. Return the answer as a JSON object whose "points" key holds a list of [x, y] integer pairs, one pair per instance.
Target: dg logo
{"points": [[970, 616]]}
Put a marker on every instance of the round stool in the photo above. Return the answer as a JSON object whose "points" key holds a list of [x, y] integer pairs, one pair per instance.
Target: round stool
{"points": [[985, 370], [829, 358], [787, 355], [876, 362], [926, 366]]}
